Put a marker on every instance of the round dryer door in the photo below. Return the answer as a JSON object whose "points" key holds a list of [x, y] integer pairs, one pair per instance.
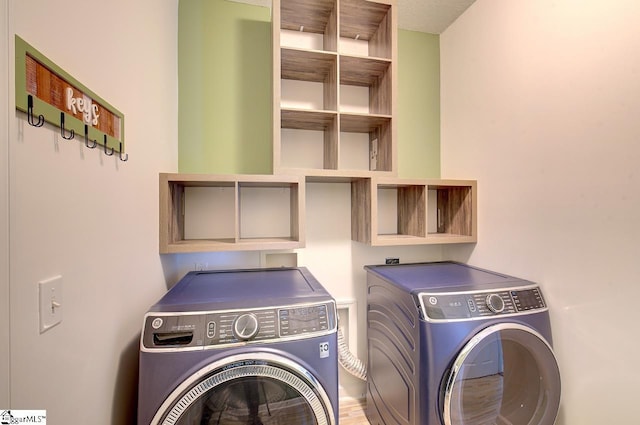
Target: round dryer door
{"points": [[507, 374], [248, 390]]}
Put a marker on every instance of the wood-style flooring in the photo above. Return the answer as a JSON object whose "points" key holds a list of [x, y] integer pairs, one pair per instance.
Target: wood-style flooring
{"points": [[352, 412]]}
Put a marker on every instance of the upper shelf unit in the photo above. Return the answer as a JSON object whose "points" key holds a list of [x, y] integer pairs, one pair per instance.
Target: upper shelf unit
{"points": [[334, 88], [388, 211], [203, 212]]}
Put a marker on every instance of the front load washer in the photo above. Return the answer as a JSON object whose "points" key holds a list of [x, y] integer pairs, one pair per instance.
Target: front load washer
{"points": [[240, 347], [450, 344]]}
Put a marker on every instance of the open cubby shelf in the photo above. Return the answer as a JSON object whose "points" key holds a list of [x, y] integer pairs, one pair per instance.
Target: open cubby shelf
{"points": [[336, 61], [413, 211], [203, 212]]}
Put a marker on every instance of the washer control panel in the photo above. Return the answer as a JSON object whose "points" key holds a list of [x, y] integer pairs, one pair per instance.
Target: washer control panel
{"points": [[197, 330], [481, 304], [302, 320]]}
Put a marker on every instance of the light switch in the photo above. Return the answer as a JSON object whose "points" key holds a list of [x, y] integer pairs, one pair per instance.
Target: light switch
{"points": [[50, 296]]}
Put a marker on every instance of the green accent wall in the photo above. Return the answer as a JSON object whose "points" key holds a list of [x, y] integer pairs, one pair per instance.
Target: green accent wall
{"points": [[224, 82], [418, 105], [224, 87]]}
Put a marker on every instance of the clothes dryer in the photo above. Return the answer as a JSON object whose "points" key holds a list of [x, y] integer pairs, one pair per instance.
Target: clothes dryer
{"points": [[243, 347], [450, 344]]}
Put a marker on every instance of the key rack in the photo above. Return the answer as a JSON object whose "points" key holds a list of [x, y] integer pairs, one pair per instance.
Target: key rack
{"points": [[46, 93]]}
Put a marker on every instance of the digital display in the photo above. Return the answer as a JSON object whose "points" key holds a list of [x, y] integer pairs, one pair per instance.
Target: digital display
{"points": [[295, 321], [527, 299]]}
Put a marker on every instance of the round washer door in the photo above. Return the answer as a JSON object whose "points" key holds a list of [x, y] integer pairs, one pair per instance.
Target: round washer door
{"points": [[507, 374], [257, 388]]}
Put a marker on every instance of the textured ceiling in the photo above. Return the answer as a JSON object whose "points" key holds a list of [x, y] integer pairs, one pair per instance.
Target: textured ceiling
{"points": [[432, 16]]}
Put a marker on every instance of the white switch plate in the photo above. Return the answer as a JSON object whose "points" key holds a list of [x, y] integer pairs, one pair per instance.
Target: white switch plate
{"points": [[50, 295]]}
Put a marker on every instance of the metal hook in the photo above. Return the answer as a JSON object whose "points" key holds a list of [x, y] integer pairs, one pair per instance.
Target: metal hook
{"points": [[108, 153], [126, 155], [72, 133], [86, 138], [30, 115]]}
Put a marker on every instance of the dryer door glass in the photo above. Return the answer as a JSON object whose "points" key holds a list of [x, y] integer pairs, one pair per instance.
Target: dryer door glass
{"points": [[507, 374], [249, 392]]}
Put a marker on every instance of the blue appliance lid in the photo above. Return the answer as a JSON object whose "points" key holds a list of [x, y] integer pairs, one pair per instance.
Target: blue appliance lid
{"points": [[446, 275], [221, 289]]}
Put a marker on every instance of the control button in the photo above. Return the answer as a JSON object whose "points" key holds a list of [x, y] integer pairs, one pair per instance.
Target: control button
{"points": [[211, 329], [157, 322], [433, 300], [495, 303], [246, 326], [472, 305]]}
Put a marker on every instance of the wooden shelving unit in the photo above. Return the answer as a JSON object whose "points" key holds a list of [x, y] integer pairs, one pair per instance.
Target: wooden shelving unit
{"points": [[333, 50], [203, 212], [389, 211], [334, 106]]}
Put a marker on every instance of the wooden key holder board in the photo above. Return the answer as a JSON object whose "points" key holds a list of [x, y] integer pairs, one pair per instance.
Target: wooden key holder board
{"points": [[46, 93]]}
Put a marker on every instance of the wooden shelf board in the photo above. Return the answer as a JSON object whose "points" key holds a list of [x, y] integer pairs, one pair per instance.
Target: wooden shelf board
{"points": [[314, 15], [210, 245], [362, 70], [213, 241], [277, 185], [446, 235], [362, 123], [305, 119], [307, 65], [361, 18], [397, 240], [397, 236], [198, 179], [223, 180], [431, 239], [277, 240], [329, 175], [198, 245]]}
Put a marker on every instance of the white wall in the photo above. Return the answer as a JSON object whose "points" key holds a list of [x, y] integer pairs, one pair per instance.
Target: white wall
{"points": [[4, 211], [90, 218], [338, 263], [540, 103], [94, 220], [330, 255]]}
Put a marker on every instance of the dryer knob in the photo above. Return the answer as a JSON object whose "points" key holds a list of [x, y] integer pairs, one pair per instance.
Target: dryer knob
{"points": [[246, 326], [495, 303]]}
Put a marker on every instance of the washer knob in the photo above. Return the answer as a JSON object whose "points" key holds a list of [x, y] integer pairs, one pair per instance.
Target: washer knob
{"points": [[495, 303], [246, 326]]}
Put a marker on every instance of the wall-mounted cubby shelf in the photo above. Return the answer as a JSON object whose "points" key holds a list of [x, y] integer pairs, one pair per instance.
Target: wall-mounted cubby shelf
{"points": [[389, 211], [334, 88], [203, 212], [334, 120]]}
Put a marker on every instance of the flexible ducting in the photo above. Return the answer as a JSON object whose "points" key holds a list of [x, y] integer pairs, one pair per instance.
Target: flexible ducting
{"points": [[348, 361]]}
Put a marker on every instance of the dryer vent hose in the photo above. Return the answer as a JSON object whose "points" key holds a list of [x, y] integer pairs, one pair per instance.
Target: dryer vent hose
{"points": [[348, 361]]}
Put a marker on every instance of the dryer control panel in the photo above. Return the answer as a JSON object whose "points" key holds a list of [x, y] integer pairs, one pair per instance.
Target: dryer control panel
{"points": [[173, 331], [480, 304]]}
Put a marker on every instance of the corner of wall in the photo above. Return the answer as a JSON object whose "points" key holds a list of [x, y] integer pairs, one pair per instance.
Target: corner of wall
{"points": [[418, 104], [4, 209]]}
